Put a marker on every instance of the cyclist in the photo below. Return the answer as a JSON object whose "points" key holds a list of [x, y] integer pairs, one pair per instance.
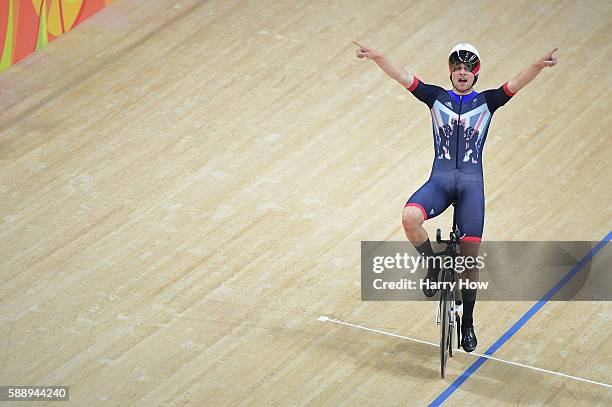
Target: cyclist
{"points": [[460, 120]]}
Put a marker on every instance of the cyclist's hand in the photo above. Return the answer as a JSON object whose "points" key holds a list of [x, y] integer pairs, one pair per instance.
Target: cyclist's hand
{"points": [[365, 52], [548, 60]]}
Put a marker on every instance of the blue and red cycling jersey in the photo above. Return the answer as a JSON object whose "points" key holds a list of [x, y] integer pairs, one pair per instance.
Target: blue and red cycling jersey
{"points": [[460, 126]]}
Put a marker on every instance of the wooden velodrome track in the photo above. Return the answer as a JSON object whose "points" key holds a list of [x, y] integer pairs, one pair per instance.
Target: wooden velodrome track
{"points": [[185, 186]]}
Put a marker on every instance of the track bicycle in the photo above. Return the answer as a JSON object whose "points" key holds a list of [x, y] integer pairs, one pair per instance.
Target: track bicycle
{"points": [[449, 308]]}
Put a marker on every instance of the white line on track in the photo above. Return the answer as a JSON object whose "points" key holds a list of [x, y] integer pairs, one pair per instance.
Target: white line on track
{"points": [[337, 321]]}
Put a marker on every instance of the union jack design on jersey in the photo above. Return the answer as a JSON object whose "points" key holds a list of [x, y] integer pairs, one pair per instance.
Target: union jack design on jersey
{"points": [[446, 123], [460, 123]]}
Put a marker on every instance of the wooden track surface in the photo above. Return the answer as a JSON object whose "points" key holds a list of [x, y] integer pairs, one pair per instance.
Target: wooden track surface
{"points": [[185, 188]]}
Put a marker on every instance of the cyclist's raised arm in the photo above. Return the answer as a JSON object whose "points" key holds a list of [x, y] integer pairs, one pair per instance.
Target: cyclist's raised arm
{"points": [[526, 76], [406, 79]]}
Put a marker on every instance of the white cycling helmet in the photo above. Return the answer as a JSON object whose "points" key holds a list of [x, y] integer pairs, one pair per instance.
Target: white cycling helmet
{"points": [[467, 54]]}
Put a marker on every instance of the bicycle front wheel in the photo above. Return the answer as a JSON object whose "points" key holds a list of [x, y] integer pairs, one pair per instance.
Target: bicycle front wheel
{"points": [[444, 308]]}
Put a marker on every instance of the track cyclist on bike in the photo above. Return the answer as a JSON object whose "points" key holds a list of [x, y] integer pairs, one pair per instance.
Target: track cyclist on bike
{"points": [[460, 118]]}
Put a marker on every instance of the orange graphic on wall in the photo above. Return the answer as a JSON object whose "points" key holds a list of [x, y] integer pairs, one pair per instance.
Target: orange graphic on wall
{"points": [[28, 25]]}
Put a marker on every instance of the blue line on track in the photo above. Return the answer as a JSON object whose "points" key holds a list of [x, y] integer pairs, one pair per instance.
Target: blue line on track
{"points": [[520, 323]]}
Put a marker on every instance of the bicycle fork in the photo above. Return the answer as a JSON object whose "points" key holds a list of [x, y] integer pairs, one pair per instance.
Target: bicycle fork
{"points": [[457, 312]]}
